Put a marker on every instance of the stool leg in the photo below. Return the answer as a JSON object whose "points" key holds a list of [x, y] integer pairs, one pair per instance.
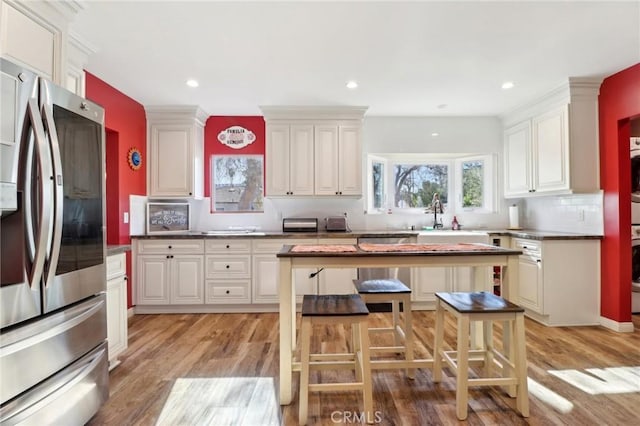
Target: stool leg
{"points": [[305, 343], [408, 334], [367, 386], [395, 308], [487, 332], [438, 342], [462, 370], [356, 344], [522, 401]]}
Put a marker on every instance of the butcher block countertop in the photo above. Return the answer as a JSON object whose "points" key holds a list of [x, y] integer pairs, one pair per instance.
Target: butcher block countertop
{"points": [[523, 233]]}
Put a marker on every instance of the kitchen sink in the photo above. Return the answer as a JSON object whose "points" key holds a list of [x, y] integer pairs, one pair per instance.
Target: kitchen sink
{"points": [[450, 236]]}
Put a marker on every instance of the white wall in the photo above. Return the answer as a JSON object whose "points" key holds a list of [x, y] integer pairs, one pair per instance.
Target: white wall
{"points": [[580, 213]]}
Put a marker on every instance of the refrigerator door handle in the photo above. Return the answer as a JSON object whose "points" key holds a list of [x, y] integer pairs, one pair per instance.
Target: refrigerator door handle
{"points": [[38, 243], [58, 192]]}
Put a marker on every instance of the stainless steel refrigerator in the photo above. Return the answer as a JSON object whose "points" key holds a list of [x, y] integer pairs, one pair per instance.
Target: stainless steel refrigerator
{"points": [[53, 352]]}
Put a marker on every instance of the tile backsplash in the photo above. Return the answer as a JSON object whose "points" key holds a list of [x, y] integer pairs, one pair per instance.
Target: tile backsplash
{"points": [[579, 213]]}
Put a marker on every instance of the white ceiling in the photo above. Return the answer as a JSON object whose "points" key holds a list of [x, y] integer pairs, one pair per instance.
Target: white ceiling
{"points": [[408, 57]]}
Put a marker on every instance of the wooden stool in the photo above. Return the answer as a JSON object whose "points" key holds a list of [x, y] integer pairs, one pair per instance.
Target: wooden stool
{"points": [[396, 292], [512, 364], [335, 309]]}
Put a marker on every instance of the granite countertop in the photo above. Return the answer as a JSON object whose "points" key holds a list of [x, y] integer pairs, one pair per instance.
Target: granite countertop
{"points": [[117, 249], [522, 233]]}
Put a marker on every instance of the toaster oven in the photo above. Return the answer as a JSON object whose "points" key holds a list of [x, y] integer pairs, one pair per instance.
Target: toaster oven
{"points": [[336, 224]]}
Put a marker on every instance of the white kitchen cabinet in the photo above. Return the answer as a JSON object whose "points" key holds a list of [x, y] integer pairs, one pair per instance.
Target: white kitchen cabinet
{"points": [[336, 148], [320, 154], [266, 270], [337, 281], [116, 307], [555, 272], [170, 272], [551, 147], [176, 152], [228, 271], [290, 155]]}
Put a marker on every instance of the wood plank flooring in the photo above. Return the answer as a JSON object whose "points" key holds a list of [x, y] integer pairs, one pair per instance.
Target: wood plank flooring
{"points": [[166, 348]]}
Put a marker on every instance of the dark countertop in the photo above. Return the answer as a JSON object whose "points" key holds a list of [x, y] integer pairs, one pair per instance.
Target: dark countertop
{"points": [[523, 233], [117, 249]]}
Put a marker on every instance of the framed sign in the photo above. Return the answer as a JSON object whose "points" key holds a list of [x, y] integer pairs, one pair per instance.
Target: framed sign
{"points": [[168, 218]]}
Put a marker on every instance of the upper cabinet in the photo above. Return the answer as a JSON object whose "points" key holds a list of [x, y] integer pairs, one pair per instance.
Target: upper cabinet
{"points": [[35, 34], [313, 150], [551, 147], [176, 151]]}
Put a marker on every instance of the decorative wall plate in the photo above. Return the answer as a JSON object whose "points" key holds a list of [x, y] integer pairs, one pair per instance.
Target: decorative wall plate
{"points": [[134, 158]]}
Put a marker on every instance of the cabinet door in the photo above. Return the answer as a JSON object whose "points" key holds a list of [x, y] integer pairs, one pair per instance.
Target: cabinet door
{"points": [[350, 160], [327, 158], [116, 317], [301, 165], [170, 168], [517, 160], [530, 284], [277, 153], [153, 280], [426, 282], [337, 281], [30, 41], [187, 279], [551, 151], [265, 278]]}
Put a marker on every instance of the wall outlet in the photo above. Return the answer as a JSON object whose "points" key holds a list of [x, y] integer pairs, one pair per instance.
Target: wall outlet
{"points": [[125, 219], [581, 215]]}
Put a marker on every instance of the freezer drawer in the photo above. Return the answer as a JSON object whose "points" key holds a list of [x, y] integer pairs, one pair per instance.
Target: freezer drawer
{"points": [[34, 352], [71, 397]]}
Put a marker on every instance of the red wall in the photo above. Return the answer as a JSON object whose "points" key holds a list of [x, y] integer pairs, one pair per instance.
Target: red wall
{"points": [[619, 101], [126, 127], [216, 124]]}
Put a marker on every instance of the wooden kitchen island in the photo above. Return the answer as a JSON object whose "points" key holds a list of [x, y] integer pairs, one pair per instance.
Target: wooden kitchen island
{"points": [[477, 256]]}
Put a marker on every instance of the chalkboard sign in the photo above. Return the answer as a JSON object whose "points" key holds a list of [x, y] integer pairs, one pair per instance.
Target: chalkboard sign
{"points": [[166, 218]]}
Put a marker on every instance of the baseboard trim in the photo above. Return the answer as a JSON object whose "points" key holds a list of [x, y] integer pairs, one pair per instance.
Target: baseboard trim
{"points": [[622, 327]]}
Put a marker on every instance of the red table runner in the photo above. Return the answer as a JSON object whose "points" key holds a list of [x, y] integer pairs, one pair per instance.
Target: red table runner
{"points": [[424, 247], [324, 249]]}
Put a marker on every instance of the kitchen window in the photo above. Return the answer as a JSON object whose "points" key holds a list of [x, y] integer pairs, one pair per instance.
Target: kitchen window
{"points": [[408, 183], [237, 183]]}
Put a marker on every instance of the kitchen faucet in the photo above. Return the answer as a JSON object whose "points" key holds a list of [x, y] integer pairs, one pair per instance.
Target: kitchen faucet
{"points": [[436, 206]]}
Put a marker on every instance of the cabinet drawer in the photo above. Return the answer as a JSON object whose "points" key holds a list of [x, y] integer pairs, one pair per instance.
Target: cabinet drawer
{"points": [[229, 266], [214, 245], [528, 247], [190, 246], [274, 246], [116, 265], [229, 291]]}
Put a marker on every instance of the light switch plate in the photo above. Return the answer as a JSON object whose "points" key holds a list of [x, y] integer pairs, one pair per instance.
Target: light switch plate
{"points": [[126, 217]]}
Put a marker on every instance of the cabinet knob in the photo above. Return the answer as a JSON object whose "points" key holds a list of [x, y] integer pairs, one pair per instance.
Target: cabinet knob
{"points": [[168, 257], [190, 193], [227, 292], [228, 246], [169, 246], [126, 278], [539, 261], [227, 266], [337, 192]]}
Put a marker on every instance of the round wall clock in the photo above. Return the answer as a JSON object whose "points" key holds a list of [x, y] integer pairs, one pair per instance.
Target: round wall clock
{"points": [[134, 158]]}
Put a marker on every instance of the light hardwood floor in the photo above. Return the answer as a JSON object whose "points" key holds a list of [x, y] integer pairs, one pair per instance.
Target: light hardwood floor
{"points": [[165, 348]]}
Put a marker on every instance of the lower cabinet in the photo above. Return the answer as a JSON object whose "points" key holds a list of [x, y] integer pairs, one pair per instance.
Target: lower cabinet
{"points": [[559, 280], [228, 271], [116, 307], [266, 271], [171, 277]]}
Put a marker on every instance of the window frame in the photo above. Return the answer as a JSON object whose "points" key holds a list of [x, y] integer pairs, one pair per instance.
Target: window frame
{"points": [[454, 181], [212, 181]]}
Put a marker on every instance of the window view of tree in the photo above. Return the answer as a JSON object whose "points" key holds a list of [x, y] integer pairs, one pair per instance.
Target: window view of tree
{"points": [[415, 185], [237, 183], [378, 185], [472, 183]]}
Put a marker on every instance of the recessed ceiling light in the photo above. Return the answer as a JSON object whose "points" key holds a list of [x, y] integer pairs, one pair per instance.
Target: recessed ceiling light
{"points": [[507, 85], [434, 134], [352, 84], [192, 83]]}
